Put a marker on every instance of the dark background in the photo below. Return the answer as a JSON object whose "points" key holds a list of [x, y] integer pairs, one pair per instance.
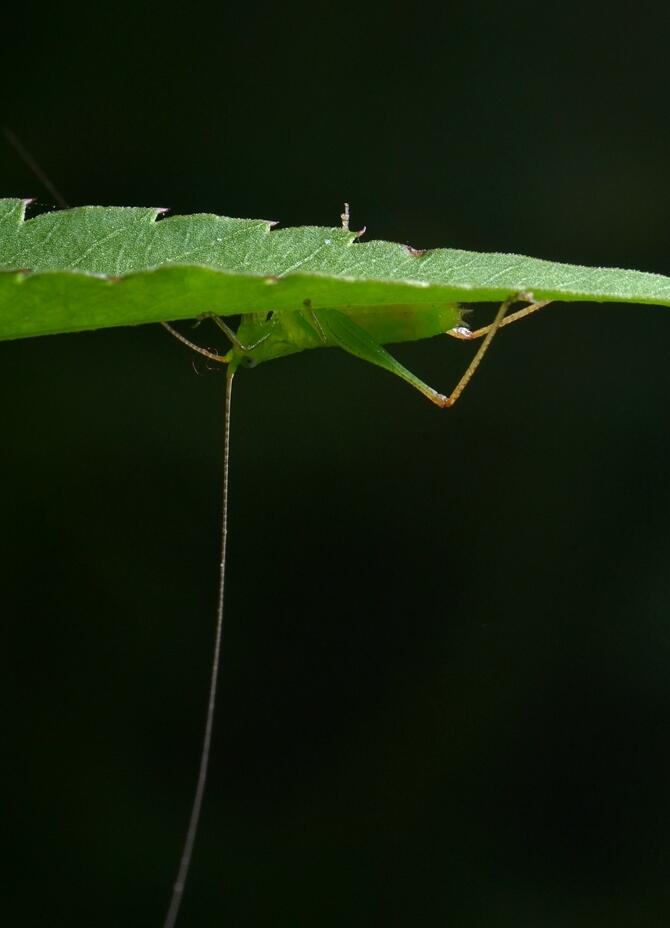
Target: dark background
{"points": [[446, 687]]}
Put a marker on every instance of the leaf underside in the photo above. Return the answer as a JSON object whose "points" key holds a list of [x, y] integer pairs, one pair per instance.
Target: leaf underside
{"points": [[93, 267]]}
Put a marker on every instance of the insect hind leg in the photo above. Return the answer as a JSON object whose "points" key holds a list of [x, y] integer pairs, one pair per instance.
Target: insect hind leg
{"points": [[466, 334]]}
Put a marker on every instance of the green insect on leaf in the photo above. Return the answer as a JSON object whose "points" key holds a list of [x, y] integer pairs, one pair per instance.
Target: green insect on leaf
{"points": [[294, 289]]}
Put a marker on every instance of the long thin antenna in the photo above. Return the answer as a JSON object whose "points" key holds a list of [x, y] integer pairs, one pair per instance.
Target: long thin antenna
{"points": [[187, 852], [28, 159], [192, 830]]}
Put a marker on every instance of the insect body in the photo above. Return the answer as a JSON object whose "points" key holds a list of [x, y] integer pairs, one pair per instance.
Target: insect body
{"points": [[361, 331]]}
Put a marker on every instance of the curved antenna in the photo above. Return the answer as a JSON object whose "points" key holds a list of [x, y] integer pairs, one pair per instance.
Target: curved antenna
{"points": [[30, 162], [191, 831]]}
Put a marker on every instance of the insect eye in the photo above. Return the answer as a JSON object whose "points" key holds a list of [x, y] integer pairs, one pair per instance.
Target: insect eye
{"points": [[248, 362]]}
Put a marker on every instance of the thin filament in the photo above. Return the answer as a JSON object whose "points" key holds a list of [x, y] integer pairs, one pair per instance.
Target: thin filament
{"points": [[187, 852], [28, 159]]}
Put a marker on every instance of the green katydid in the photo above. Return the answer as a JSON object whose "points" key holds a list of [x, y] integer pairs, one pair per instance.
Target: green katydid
{"points": [[293, 311], [362, 332]]}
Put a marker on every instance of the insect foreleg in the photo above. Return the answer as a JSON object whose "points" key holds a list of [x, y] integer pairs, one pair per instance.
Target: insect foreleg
{"points": [[230, 334], [212, 355]]}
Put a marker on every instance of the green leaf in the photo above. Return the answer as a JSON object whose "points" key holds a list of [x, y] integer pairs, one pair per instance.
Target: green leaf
{"points": [[95, 266]]}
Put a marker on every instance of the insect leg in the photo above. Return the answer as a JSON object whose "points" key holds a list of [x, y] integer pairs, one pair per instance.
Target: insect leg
{"points": [[233, 335], [467, 335], [222, 359], [483, 348], [344, 332]]}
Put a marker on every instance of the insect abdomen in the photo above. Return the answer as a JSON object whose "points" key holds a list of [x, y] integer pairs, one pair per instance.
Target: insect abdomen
{"points": [[400, 323]]}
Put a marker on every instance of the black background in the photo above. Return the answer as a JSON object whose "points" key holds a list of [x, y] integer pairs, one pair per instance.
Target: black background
{"points": [[446, 694]]}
